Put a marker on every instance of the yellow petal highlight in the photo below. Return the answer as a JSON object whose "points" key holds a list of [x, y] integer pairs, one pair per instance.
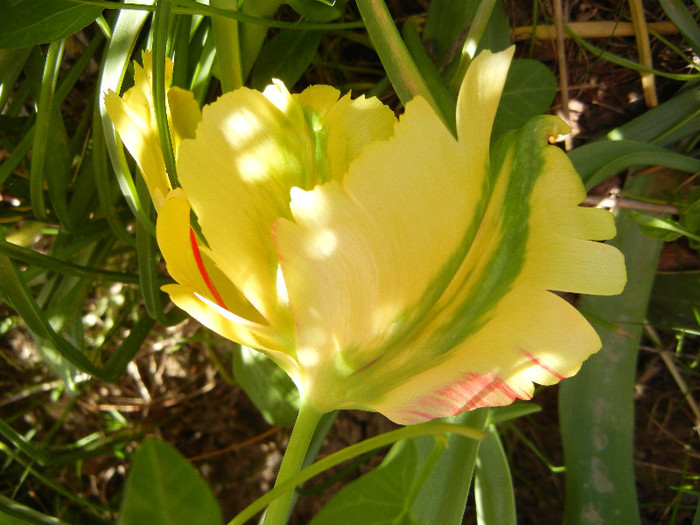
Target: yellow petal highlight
{"points": [[477, 103], [237, 174], [358, 256]]}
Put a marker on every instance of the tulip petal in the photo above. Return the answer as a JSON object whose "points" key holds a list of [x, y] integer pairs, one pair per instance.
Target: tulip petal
{"points": [[536, 338], [233, 327], [256, 147], [364, 260], [357, 266], [217, 303], [184, 116], [523, 333], [133, 116], [477, 103], [346, 125], [237, 173]]}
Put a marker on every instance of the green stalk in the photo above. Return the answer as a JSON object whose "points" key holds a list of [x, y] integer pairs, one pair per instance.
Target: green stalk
{"points": [[396, 59], [431, 428], [228, 49], [303, 432]]}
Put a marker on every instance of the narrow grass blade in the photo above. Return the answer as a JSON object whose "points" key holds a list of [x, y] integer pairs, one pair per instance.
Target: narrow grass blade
{"points": [[48, 262], [627, 63], [598, 161], [12, 513], [11, 63], [686, 24], [118, 56], [45, 113], [17, 293], [430, 73]]}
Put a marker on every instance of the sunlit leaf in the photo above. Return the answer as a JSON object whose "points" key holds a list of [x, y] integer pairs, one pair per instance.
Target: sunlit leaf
{"points": [[25, 23], [162, 488]]}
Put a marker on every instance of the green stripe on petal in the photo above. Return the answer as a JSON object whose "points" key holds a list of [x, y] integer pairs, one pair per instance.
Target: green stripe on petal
{"points": [[357, 267], [527, 334], [535, 338], [359, 256]]}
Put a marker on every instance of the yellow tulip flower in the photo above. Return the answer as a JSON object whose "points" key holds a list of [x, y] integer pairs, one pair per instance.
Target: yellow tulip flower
{"points": [[384, 264]]}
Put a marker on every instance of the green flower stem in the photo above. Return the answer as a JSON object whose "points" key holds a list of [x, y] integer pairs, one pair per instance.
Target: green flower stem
{"points": [[431, 428], [299, 441], [228, 49], [396, 59]]}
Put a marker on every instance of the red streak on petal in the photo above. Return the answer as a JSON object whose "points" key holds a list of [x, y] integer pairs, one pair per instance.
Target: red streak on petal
{"points": [[203, 270], [544, 367]]}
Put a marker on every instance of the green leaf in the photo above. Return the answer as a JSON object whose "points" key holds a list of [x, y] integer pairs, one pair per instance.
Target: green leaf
{"points": [[267, 386], [674, 300], [380, 497], [318, 10], [529, 91], [684, 21], [11, 64], [493, 484], [162, 488], [691, 217], [25, 23], [659, 228], [596, 407], [667, 123], [286, 56], [598, 161], [13, 513]]}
